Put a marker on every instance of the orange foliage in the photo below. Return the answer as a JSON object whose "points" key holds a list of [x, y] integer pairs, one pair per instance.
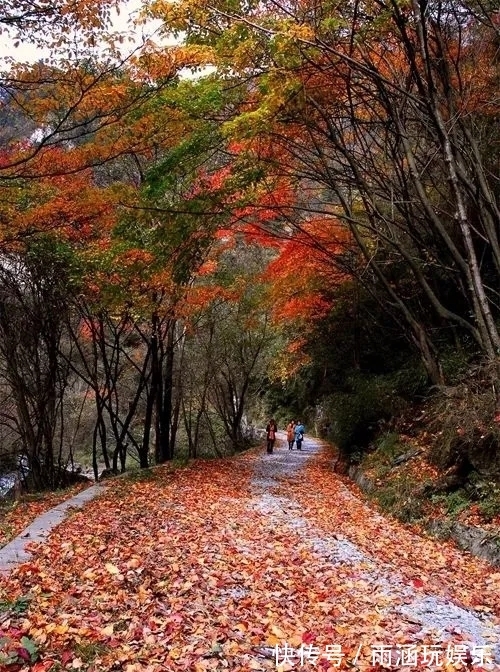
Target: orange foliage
{"points": [[305, 270], [70, 207]]}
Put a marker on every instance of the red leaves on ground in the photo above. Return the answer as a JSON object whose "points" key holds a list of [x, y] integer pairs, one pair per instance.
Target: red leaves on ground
{"points": [[16, 516], [439, 565], [191, 570]]}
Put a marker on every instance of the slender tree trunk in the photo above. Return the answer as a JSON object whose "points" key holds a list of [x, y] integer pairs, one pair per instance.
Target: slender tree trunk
{"points": [[166, 448]]}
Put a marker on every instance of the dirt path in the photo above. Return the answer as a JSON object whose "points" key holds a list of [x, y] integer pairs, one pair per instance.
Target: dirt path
{"points": [[263, 562]]}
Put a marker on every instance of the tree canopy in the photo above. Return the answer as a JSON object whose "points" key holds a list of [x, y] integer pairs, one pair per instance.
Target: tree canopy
{"points": [[341, 158]]}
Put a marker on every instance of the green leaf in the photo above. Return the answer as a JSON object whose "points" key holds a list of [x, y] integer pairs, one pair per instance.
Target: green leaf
{"points": [[30, 647]]}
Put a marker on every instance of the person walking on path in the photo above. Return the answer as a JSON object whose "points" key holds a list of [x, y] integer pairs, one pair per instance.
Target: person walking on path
{"points": [[290, 434], [271, 430], [299, 434]]}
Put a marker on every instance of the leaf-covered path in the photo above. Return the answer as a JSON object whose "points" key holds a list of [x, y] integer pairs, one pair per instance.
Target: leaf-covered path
{"points": [[253, 563], [17, 551]]}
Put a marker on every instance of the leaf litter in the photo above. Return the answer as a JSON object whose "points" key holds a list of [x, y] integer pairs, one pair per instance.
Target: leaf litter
{"points": [[234, 564]]}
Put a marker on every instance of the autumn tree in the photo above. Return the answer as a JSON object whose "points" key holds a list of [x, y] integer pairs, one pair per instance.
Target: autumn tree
{"points": [[32, 315], [81, 130], [90, 103], [229, 346], [400, 152], [136, 279]]}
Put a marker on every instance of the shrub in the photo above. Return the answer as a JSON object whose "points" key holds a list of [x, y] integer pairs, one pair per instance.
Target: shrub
{"points": [[400, 500], [454, 364], [489, 504], [388, 446], [490, 508], [410, 381], [466, 434], [456, 502], [355, 415]]}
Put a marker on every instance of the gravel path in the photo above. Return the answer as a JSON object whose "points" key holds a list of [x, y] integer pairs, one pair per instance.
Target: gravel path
{"points": [[433, 617]]}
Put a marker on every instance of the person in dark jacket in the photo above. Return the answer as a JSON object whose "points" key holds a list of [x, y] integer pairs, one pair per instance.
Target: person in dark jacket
{"points": [[299, 434], [271, 430]]}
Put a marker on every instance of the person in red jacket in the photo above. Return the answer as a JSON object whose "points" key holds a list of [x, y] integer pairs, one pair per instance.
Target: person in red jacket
{"points": [[290, 434], [271, 430]]}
